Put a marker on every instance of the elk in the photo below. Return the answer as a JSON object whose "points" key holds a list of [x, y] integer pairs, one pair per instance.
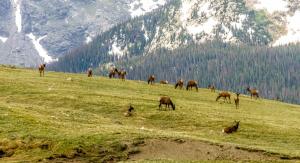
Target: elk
{"points": [[166, 101], [237, 101], [129, 111], [42, 69], [231, 129], [179, 84], [122, 74], [113, 73], [225, 95], [90, 72], [212, 88], [191, 84], [253, 92], [164, 82], [151, 79]]}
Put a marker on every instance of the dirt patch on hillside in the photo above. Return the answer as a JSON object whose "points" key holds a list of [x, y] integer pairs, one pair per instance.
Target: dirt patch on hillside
{"points": [[196, 150]]}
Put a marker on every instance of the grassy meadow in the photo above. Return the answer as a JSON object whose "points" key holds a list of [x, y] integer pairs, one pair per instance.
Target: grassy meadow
{"points": [[69, 116]]}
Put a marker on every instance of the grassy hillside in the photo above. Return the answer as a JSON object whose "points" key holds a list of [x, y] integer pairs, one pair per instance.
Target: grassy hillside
{"points": [[53, 118]]}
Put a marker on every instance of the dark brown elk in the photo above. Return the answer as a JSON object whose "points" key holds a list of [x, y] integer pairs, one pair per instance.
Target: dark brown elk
{"points": [[122, 74], [166, 101], [225, 95], [237, 100], [129, 111], [253, 92], [191, 84], [212, 88], [231, 129], [42, 69], [113, 73], [164, 82], [151, 79], [90, 72], [179, 84]]}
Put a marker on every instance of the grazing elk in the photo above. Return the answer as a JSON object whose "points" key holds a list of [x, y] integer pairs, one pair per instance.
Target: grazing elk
{"points": [[212, 88], [164, 82], [231, 129], [191, 84], [225, 95], [151, 79], [253, 92], [166, 101], [237, 100], [179, 84], [90, 72], [129, 111], [113, 73], [122, 74], [42, 69]]}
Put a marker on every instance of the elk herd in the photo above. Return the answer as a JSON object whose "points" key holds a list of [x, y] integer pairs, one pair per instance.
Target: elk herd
{"points": [[165, 100]]}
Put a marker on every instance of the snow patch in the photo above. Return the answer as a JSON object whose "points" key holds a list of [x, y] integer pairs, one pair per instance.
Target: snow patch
{"points": [[88, 39], [18, 16], [3, 39], [272, 5], [207, 27], [116, 50], [239, 23], [42, 52], [293, 28], [140, 7]]}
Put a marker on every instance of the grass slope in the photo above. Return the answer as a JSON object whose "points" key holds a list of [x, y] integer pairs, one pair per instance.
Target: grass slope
{"points": [[52, 116]]}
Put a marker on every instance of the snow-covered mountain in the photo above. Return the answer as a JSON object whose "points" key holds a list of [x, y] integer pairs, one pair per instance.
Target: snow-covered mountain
{"points": [[32, 32]]}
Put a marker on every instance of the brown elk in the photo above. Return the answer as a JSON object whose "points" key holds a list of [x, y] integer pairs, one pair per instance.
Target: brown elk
{"points": [[151, 79], [164, 82], [129, 111], [253, 92], [113, 73], [231, 129], [191, 84], [42, 69], [212, 88], [225, 95], [179, 84], [90, 72], [237, 100], [122, 74], [166, 101]]}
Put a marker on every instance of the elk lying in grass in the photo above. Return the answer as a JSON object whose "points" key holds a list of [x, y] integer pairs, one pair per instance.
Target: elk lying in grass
{"points": [[191, 84], [179, 84], [113, 73], [253, 92], [42, 69], [237, 101], [211, 87], [231, 129], [225, 95], [164, 82], [151, 79], [122, 74], [90, 72], [129, 111], [166, 101]]}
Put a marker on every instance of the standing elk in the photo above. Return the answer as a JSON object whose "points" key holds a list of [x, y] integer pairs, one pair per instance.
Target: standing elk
{"points": [[225, 95], [90, 72], [237, 101], [179, 84], [212, 88], [113, 73], [231, 129], [253, 92], [122, 74], [151, 79], [191, 84], [42, 69], [166, 101]]}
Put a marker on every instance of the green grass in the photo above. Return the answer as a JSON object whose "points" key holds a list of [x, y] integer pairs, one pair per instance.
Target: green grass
{"points": [[87, 114]]}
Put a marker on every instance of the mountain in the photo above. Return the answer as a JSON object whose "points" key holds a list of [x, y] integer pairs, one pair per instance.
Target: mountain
{"points": [[32, 32]]}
